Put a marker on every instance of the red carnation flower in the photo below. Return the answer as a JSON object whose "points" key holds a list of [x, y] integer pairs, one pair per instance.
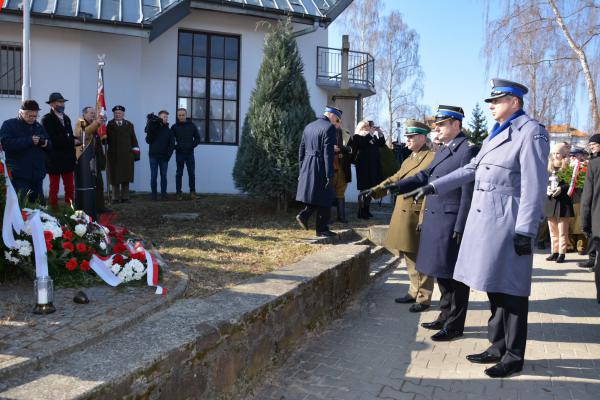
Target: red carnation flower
{"points": [[140, 256], [82, 248], [48, 235], [118, 259], [67, 234], [48, 245], [85, 265], [24, 215], [68, 246], [71, 264], [119, 247]]}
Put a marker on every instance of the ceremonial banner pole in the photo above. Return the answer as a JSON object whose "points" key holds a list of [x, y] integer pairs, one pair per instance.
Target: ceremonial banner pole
{"points": [[26, 89], [101, 111]]}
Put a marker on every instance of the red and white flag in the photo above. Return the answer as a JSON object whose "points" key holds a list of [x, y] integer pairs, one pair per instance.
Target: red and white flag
{"points": [[100, 103]]}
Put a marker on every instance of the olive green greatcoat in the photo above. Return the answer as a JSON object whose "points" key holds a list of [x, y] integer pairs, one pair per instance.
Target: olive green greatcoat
{"points": [[121, 140], [402, 234]]}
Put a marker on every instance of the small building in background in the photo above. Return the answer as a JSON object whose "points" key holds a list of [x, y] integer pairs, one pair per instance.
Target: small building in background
{"points": [[566, 133]]}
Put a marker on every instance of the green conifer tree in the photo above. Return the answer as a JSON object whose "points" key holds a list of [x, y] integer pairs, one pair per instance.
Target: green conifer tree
{"points": [[478, 125], [267, 160]]}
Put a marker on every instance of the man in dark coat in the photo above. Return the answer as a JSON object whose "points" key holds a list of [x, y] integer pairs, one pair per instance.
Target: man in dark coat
{"points": [[122, 152], [61, 159], [25, 143], [315, 183], [594, 150], [162, 143], [444, 220], [496, 256], [590, 211], [186, 139]]}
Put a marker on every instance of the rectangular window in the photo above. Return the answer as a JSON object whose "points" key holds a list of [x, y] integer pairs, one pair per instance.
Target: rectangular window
{"points": [[11, 56], [208, 75]]}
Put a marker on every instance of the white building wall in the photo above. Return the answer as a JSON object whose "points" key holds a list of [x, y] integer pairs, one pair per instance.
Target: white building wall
{"points": [[142, 77]]}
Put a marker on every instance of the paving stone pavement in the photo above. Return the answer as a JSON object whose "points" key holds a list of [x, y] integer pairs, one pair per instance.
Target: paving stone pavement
{"points": [[377, 350], [26, 338]]}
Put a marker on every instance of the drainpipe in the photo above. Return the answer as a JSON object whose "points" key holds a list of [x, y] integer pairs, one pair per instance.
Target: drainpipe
{"points": [[26, 89], [306, 31]]}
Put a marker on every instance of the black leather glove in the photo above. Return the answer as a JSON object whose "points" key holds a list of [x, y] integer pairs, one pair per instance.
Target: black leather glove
{"points": [[419, 228], [367, 193], [457, 236], [420, 192], [327, 183], [522, 244], [391, 187]]}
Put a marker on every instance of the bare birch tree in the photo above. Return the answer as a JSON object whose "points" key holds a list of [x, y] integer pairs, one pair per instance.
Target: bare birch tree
{"points": [[399, 73], [527, 42]]}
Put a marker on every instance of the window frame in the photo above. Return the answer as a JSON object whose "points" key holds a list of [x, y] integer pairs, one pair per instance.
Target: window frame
{"points": [[208, 79], [12, 48]]}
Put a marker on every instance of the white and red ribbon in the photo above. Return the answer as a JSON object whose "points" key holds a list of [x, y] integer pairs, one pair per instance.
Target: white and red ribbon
{"points": [[574, 176], [13, 219]]}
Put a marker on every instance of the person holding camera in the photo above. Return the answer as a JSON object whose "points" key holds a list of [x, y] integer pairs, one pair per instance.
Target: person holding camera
{"points": [[121, 154], [366, 143], [60, 161], [25, 143], [162, 143]]}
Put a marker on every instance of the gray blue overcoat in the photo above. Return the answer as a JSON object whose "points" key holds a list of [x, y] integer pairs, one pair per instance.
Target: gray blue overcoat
{"points": [[510, 187], [316, 163]]}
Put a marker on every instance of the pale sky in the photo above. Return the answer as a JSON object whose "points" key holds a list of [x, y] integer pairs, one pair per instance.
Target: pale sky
{"points": [[451, 41]]}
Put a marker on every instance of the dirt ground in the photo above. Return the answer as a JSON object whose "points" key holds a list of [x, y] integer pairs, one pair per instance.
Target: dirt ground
{"points": [[233, 238]]}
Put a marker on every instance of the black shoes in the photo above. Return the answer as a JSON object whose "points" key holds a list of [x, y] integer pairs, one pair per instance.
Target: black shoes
{"points": [[446, 335], [418, 307], [302, 222], [405, 299], [326, 234], [483, 358], [502, 370], [435, 325], [586, 264], [560, 259], [552, 257]]}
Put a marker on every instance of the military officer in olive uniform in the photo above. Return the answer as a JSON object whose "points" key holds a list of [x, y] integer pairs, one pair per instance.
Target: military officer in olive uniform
{"points": [[444, 222], [120, 136], [510, 178], [403, 234]]}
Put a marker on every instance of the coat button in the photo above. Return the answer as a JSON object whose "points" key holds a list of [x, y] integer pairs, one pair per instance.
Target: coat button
{"points": [[478, 210], [433, 212], [487, 167]]}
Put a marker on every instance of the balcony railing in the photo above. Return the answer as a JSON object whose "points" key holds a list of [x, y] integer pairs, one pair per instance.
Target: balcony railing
{"points": [[361, 68]]}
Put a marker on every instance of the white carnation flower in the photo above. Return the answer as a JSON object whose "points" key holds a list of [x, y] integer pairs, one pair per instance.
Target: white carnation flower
{"points": [[102, 245], [10, 258], [25, 248], [115, 268], [80, 230]]}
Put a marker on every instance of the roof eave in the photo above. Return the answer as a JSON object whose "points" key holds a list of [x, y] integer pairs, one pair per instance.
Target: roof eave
{"points": [[80, 23], [261, 12]]}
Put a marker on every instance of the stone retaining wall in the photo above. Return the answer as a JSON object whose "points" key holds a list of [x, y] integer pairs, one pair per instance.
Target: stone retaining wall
{"points": [[213, 348]]}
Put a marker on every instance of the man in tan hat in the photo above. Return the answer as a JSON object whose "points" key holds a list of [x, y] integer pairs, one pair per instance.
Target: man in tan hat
{"points": [[403, 234]]}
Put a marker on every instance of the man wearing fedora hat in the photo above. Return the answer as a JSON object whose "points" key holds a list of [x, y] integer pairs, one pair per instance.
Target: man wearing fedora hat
{"points": [[61, 159], [25, 143], [123, 150]]}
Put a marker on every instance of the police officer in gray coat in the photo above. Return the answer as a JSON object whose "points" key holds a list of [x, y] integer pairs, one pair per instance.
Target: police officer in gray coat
{"points": [[496, 253], [444, 222], [315, 183]]}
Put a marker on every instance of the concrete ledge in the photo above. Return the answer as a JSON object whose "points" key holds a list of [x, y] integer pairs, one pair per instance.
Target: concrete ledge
{"points": [[213, 348]]}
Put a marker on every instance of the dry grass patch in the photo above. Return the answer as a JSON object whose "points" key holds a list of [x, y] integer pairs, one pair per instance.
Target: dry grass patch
{"points": [[232, 239]]}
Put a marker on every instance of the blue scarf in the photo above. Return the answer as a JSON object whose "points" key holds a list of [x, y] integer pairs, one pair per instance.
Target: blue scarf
{"points": [[499, 128]]}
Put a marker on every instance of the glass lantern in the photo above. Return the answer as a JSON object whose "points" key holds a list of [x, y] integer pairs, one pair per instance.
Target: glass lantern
{"points": [[43, 288]]}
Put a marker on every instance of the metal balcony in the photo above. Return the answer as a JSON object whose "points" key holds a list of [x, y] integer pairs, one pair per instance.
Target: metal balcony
{"points": [[346, 73]]}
